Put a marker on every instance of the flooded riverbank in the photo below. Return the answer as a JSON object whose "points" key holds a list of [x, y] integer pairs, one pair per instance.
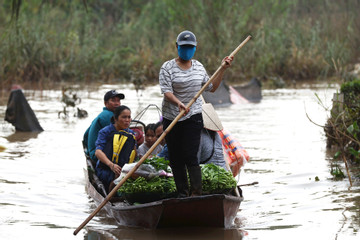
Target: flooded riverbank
{"points": [[42, 180]]}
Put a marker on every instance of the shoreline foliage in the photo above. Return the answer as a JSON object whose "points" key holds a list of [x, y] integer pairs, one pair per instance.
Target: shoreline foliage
{"points": [[342, 127], [127, 41]]}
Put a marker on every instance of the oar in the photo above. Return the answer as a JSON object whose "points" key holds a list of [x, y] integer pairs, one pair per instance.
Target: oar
{"points": [[248, 184], [167, 130]]}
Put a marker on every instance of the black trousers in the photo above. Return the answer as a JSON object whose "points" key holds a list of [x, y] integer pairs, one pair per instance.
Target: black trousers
{"points": [[183, 141]]}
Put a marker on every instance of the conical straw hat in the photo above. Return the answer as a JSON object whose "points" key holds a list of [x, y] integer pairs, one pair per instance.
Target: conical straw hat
{"points": [[210, 118]]}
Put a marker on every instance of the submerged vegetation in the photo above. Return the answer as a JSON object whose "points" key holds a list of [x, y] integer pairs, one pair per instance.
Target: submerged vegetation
{"points": [[129, 40]]}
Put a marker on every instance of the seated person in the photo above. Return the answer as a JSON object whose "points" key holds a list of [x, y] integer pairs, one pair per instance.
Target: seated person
{"points": [[210, 149], [150, 139], [115, 146], [111, 101], [158, 131]]}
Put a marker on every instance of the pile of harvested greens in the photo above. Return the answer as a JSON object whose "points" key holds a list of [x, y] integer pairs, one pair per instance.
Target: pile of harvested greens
{"points": [[145, 190], [214, 180], [154, 185], [159, 163]]}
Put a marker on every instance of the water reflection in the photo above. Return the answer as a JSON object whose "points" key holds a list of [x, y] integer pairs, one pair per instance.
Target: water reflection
{"points": [[165, 234], [21, 136]]}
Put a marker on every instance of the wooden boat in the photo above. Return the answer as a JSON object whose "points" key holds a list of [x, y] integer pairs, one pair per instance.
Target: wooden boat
{"points": [[226, 95], [216, 210], [251, 91]]}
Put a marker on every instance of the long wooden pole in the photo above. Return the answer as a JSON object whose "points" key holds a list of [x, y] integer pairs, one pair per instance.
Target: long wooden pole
{"points": [[167, 130]]}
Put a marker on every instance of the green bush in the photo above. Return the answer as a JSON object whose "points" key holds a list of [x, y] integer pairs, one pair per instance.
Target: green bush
{"points": [[342, 129], [351, 91], [129, 40]]}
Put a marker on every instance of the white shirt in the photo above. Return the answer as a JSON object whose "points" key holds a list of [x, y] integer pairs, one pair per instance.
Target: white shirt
{"points": [[184, 84], [143, 149]]}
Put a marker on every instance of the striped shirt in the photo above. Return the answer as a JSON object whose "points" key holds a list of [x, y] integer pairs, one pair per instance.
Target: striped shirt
{"points": [[184, 84]]}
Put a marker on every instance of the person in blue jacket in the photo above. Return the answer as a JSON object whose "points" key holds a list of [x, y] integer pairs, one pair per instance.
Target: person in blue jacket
{"points": [[115, 146], [111, 100]]}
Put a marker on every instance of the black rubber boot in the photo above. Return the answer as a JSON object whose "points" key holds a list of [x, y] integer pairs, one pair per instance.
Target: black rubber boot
{"points": [[195, 180], [181, 182]]}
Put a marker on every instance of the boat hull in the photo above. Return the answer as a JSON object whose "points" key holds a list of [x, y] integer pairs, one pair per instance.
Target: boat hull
{"points": [[216, 210]]}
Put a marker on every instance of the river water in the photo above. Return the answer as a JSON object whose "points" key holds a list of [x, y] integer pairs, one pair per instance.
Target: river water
{"points": [[42, 175]]}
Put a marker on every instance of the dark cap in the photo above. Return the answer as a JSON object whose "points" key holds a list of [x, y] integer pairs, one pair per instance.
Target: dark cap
{"points": [[186, 38], [113, 93]]}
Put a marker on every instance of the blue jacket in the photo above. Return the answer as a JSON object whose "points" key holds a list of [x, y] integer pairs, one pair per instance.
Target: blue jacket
{"points": [[104, 142], [101, 121], [164, 152]]}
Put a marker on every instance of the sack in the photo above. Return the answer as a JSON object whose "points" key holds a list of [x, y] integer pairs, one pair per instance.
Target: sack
{"points": [[235, 154]]}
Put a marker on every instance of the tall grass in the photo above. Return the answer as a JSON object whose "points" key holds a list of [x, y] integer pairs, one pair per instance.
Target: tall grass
{"points": [[129, 40]]}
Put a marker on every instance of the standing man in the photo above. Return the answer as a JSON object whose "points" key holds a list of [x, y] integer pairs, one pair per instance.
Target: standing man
{"points": [[112, 101], [180, 79]]}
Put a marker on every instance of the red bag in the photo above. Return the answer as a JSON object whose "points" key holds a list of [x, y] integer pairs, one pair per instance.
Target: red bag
{"points": [[235, 154]]}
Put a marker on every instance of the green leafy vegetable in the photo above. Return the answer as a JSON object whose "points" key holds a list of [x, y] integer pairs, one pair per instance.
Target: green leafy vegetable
{"points": [[159, 163], [215, 179], [154, 185]]}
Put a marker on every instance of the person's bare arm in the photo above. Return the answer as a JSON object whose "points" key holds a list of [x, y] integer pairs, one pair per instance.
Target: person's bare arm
{"points": [[217, 80], [171, 97]]}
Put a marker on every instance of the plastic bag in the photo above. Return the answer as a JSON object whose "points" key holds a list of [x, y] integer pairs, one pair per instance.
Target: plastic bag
{"points": [[145, 170], [235, 154]]}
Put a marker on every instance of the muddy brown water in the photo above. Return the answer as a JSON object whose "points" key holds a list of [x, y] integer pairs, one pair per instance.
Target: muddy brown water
{"points": [[42, 184]]}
